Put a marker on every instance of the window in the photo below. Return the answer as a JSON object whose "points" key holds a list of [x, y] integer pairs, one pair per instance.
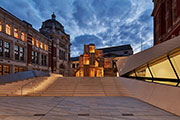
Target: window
{"points": [[6, 69], [7, 49], [77, 65], [16, 35], [0, 26], [16, 69], [8, 29], [16, 52], [43, 60], [19, 53], [86, 59], [35, 57], [21, 69], [73, 65], [22, 36], [37, 43], [33, 41], [1, 70], [92, 49], [1, 48], [41, 45], [46, 47]]}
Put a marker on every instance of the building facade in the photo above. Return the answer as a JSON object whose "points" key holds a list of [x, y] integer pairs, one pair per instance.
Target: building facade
{"points": [[109, 55], [166, 15], [91, 63], [60, 45], [23, 48]]}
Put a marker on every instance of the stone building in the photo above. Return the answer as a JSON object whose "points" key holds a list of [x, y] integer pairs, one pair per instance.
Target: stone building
{"points": [[24, 48], [91, 63], [110, 56], [21, 46], [166, 15], [60, 45]]}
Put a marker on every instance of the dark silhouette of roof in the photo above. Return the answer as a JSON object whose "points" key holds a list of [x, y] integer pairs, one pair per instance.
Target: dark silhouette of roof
{"points": [[116, 48], [74, 59]]}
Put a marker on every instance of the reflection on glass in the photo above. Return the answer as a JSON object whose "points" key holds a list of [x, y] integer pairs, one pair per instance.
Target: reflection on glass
{"points": [[163, 70]]}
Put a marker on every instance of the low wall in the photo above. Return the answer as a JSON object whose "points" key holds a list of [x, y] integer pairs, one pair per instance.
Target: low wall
{"points": [[163, 96], [21, 76]]}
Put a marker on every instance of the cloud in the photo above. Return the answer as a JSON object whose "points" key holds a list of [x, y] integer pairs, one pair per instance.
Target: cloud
{"points": [[103, 22]]}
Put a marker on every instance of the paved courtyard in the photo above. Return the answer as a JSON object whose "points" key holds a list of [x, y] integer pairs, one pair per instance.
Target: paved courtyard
{"points": [[79, 108]]}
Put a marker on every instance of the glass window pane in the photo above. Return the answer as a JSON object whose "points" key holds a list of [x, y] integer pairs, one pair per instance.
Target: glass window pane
{"points": [[143, 72], [176, 62], [8, 29], [6, 69], [163, 70]]}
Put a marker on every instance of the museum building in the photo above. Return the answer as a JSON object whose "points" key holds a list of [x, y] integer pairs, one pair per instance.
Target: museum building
{"points": [[23, 48]]}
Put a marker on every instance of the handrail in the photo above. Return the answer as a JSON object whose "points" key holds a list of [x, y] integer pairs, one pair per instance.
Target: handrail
{"points": [[30, 82]]}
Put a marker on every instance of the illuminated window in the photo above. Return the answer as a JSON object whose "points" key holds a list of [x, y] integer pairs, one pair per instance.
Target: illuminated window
{"points": [[46, 47], [8, 29], [21, 69], [22, 36], [0, 26], [86, 59], [33, 41], [92, 49], [1, 70], [6, 69], [37, 43], [16, 35], [16, 69], [41, 45]]}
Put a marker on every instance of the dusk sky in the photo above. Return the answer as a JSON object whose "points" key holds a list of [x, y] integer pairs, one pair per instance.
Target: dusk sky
{"points": [[103, 22]]}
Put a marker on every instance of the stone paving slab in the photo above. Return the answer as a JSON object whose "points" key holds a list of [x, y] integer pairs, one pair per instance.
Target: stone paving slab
{"points": [[80, 108]]}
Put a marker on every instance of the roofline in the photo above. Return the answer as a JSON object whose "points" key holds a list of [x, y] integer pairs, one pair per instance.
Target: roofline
{"points": [[21, 22]]}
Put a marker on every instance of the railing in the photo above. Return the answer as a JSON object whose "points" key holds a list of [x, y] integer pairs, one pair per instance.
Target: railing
{"points": [[31, 85]]}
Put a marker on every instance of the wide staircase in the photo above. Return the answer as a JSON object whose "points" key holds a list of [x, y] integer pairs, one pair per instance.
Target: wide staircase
{"points": [[56, 85]]}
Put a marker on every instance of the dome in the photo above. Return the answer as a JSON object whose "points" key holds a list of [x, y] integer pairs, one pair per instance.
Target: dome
{"points": [[53, 23]]}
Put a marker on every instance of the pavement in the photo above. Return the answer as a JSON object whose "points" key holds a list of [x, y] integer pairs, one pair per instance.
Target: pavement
{"points": [[80, 108]]}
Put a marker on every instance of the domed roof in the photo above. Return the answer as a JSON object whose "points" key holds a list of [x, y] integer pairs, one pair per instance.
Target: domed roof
{"points": [[53, 23]]}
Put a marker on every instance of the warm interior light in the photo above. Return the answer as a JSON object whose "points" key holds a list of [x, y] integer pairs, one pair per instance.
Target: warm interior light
{"points": [[22, 36], [86, 59], [37, 43], [41, 45], [91, 49], [8, 29], [46, 47], [33, 41], [0, 26], [16, 35]]}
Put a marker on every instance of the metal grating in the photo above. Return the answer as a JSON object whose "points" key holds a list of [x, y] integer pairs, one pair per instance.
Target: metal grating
{"points": [[83, 114], [124, 114], [39, 114]]}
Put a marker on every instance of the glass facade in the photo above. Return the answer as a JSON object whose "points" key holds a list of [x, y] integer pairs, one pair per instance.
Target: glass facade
{"points": [[164, 70]]}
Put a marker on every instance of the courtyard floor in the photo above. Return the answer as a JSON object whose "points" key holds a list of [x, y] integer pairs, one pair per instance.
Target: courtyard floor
{"points": [[79, 108]]}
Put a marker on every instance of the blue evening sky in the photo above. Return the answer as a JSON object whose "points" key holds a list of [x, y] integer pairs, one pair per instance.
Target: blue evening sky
{"points": [[103, 22]]}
